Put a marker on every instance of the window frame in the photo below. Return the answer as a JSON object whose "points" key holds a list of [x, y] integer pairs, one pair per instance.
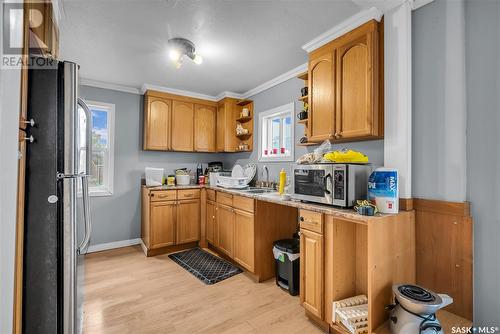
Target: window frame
{"points": [[107, 189], [284, 110]]}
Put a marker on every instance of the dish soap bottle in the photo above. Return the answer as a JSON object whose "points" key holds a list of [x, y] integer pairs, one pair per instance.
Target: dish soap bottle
{"points": [[282, 181]]}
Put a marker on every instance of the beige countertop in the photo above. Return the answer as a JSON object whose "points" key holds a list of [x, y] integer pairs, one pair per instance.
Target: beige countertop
{"points": [[276, 198]]}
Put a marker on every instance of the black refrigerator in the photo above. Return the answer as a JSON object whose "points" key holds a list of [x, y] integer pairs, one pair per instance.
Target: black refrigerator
{"points": [[57, 209]]}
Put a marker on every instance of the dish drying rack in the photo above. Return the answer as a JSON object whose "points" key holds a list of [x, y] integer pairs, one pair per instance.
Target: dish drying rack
{"points": [[352, 313]]}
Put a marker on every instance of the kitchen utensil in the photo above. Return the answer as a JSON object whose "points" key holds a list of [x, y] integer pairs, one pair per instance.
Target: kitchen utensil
{"points": [[302, 115], [304, 91], [237, 171], [182, 180]]}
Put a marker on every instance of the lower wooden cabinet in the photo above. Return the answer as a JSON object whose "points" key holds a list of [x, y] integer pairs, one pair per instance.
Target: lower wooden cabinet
{"points": [[162, 223], [311, 272], [244, 247], [188, 221], [167, 221], [225, 229], [211, 223]]}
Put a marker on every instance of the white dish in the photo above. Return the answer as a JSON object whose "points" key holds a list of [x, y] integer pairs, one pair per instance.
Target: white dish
{"points": [[249, 171], [237, 171], [182, 180]]}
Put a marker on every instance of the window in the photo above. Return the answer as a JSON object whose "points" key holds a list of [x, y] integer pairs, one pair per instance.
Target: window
{"points": [[102, 162], [276, 141]]}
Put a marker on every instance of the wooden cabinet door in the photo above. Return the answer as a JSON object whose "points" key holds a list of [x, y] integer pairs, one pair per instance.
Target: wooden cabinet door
{"points": [[162, 223], [357, 91], [225, 229], [321, 99], [182, 126], [188, 221], [157, 123], [210, 226], [244, 239], [221, 128], [204, 128], [311, 272]]}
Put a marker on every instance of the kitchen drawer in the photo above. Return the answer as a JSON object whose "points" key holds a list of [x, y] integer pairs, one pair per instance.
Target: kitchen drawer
{"points": [[188, 193], [310, 220], [163, 195], [211, 194], [223, 198], [243, 203]]}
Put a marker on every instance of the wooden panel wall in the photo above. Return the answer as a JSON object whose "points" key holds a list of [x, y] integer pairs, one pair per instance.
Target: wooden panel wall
{"points": [[444, 243]]}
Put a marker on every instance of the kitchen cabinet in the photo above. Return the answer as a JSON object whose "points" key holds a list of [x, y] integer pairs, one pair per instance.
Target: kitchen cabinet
{"points": [[225, 229], [162, 223], [321, 115], [44, 37], [205, 122], [311, 262], [157, 123], [169, 218], [357, 84], [188, 221], [244, 239], [226, 125], [211, 223], [345, 79], [182, 126]]}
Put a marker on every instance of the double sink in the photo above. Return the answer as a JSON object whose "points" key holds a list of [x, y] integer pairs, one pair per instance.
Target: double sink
{"points": [[256, 190]]}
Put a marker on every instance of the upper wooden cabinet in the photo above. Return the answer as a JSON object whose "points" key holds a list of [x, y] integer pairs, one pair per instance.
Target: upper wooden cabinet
{"points": [[182, 126], [346, 88], [226, 125], [321, 98], [357, 65], [181, 123], [157, 117], [205, 119]]}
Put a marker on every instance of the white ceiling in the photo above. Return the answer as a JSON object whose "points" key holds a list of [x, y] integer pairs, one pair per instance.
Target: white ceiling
{"points": [[244, 43]]}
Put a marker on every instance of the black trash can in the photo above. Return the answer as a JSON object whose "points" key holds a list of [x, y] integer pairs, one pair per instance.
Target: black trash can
{"points": [[287, 260]]}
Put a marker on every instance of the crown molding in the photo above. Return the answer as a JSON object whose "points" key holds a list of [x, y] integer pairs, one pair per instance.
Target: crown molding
{"points": [[294, 72], [416, 4], [343, 28], [195, 95], [225, 94], [108, 85]]}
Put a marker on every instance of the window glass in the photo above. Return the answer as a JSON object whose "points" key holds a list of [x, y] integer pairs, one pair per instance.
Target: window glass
{"points": [[276, 138]]}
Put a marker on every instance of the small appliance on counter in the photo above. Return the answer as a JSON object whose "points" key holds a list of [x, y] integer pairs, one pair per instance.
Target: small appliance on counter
{"points": [[335, 184], [154, 176], [215, 167], [415, 310]]}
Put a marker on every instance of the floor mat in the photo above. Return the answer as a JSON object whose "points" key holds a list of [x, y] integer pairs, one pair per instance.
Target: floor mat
{"points": [[208, 268]]}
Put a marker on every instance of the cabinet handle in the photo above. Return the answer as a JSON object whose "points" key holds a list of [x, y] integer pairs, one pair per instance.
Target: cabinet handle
{"points": [[301, 218], [338, 135], [31, 122], [188, 195]]}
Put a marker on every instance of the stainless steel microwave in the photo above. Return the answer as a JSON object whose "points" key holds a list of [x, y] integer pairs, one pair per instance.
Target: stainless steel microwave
{"points": [[334, 184]]}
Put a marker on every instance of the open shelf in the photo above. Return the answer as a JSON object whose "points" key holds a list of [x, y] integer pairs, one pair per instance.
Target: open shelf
{"points": [[303, 121], [244, 136], [303, 76], [244, 119], [307, 144], [303, 98], [243, 102]]}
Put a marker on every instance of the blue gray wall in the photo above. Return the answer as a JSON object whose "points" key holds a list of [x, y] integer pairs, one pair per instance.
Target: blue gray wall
{"points": [[451, 38], [483, 160], [118, 217], [285, 93]]}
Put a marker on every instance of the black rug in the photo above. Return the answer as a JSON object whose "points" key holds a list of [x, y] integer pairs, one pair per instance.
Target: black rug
{"points": [[206, 267]]}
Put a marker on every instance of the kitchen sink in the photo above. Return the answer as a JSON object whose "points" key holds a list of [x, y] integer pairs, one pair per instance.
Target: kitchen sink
{"points": [[253, 190]]}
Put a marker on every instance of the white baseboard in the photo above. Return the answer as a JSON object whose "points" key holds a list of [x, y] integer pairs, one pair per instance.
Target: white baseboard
{"points": [[113, 245]]}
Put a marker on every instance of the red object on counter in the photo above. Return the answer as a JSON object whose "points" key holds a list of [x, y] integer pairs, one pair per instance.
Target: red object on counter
{"points": [[282, 150], [201, 179]]}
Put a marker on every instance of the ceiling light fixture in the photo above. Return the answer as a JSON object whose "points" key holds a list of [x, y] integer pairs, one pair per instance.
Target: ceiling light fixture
{"points": [[180, 47]]}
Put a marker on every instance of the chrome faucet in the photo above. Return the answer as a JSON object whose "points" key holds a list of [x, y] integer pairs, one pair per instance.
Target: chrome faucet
{"points": [[265, 169]]}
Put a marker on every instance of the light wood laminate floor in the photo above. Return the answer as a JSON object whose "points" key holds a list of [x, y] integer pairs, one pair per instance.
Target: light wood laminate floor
{"points": [[125, 292]]}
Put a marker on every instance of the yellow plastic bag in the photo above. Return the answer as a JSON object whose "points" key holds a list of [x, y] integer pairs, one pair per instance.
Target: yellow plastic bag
{"points": [[346, 156]]}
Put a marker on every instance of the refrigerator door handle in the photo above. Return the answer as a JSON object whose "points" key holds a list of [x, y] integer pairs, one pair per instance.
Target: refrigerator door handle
{"points": [[88, 141], [82, 247]]}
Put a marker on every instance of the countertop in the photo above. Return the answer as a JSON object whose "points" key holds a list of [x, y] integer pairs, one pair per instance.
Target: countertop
{"points": [[274, 197]]}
